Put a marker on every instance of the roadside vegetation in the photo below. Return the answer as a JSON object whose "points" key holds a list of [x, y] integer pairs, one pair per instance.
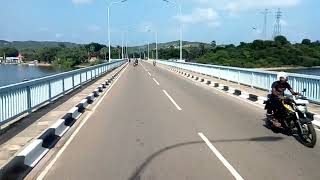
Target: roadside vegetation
{"points": [[257, 54], [64, 57]]}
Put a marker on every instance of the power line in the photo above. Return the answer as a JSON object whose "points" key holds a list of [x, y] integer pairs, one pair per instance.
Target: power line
{"points": [[277, 25]]}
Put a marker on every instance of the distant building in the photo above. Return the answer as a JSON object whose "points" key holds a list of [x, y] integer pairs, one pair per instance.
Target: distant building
{"points": [[93, 59], [18, 59]]}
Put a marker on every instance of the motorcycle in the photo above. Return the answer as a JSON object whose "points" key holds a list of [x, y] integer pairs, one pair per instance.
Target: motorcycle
{"points": [[154, 63], [135, 64], [293, 118]]}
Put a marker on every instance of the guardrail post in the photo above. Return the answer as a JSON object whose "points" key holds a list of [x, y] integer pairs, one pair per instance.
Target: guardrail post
{"points": [[239, 73], [252, 77], [269, 81], [294, 84], [228, 75], [72, 81], [80, 79], [63, 88], [86, 76], [50, 94], [29, 99]]}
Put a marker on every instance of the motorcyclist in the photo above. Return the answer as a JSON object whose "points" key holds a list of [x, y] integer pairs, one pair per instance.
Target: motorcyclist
{"points": [[278, 89]]}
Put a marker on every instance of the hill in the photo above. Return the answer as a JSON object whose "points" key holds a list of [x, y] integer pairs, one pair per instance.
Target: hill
{"points": [[175, 44], [20, 45]]}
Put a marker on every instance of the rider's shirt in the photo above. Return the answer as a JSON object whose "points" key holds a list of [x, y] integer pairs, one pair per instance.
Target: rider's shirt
{"points": [[281, 87]]}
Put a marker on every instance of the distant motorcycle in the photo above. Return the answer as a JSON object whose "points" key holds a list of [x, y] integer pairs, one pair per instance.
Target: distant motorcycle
{"points": [[135, 63], [293, 119], [154, 63]]}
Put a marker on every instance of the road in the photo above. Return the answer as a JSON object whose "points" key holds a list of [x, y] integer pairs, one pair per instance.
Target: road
{"points": [[154, 125]]}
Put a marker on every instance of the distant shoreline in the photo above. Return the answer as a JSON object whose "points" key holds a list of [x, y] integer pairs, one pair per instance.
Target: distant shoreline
{"points": [[38, 64], [287, 68]]}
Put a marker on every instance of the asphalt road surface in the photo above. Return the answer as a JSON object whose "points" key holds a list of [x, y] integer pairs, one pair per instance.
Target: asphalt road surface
{"points": [[155, 125]]}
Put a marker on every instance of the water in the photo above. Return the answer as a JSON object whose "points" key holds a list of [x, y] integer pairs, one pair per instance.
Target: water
{"points": [[11, 73], [311, 71]]}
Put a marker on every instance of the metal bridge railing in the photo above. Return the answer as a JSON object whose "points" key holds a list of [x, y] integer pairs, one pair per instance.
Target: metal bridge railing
{"points": [[20, 98], [254, 78]]}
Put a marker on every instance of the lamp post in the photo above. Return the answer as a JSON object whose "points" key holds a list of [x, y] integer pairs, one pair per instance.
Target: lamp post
{"points": [[156, 35], [110, 4], [180, 13]]}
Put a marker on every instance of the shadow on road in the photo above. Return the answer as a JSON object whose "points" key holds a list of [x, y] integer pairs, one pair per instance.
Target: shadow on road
{"points": [[137, 174]]}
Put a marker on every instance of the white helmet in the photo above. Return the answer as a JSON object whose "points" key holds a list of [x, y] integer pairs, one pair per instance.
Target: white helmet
{"points": [[282, 74]]}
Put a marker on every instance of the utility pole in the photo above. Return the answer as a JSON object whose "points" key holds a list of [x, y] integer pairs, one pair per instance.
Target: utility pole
{"points": [[265, 31], [277, 26]]}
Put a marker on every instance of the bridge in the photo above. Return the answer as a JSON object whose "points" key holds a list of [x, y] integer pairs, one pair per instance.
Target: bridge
{"points": [[171, 121]]}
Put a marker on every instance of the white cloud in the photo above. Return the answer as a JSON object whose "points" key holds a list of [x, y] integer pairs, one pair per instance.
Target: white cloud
{"points": [[234, 6], [43, 29], [58, 35], [243, 5], [201, 15], [82, 1], [94, 28]]}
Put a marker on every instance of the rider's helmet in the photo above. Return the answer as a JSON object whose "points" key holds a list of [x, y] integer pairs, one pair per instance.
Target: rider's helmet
{"points": [[282, 75]]}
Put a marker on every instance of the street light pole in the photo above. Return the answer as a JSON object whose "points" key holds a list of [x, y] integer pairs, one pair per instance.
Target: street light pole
{"points": [[156, 34], [180, 33], [179, 4], [127, 45], [122, 45], [156, 45], [109, 40], [148, 50]]}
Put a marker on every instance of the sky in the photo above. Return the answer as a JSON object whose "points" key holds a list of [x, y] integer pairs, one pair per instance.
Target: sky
{"points": [[225, 21]]}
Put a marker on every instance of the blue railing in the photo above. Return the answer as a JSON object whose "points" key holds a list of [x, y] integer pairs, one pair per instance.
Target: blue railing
{"points": [[254, 78], [24, 97]]}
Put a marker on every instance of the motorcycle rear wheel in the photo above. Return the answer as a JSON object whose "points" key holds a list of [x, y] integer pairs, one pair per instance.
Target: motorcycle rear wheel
{"points": [[308, 135]]}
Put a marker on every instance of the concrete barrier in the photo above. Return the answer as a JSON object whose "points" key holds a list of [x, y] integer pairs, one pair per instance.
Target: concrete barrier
{"points": [[261, 99], [231, 90], [75, 114], [96, 92], [60, 127], [244, 95], [33, 153]]}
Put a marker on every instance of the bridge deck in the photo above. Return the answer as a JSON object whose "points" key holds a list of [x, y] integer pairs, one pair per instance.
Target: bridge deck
{"points": [[140, 131]]}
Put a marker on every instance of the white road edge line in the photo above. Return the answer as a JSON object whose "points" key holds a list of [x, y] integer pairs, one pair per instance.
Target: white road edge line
{"points": [[149, 73], [156, 81], [235, 174], [177, 106], [46, 170]]}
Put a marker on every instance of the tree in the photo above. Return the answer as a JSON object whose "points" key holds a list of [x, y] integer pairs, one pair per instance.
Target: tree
{"points": [[9, 52], [306, 42], [94, 47], [103, 52], [62, 45], [202, 49], [213, 44], [281, 40]]}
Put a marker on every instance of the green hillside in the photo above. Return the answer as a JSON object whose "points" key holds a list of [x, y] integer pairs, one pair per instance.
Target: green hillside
{"points": [[34, 44]]}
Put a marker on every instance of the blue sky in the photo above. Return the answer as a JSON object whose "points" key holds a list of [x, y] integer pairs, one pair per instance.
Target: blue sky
{"points": [[226, 21]]}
